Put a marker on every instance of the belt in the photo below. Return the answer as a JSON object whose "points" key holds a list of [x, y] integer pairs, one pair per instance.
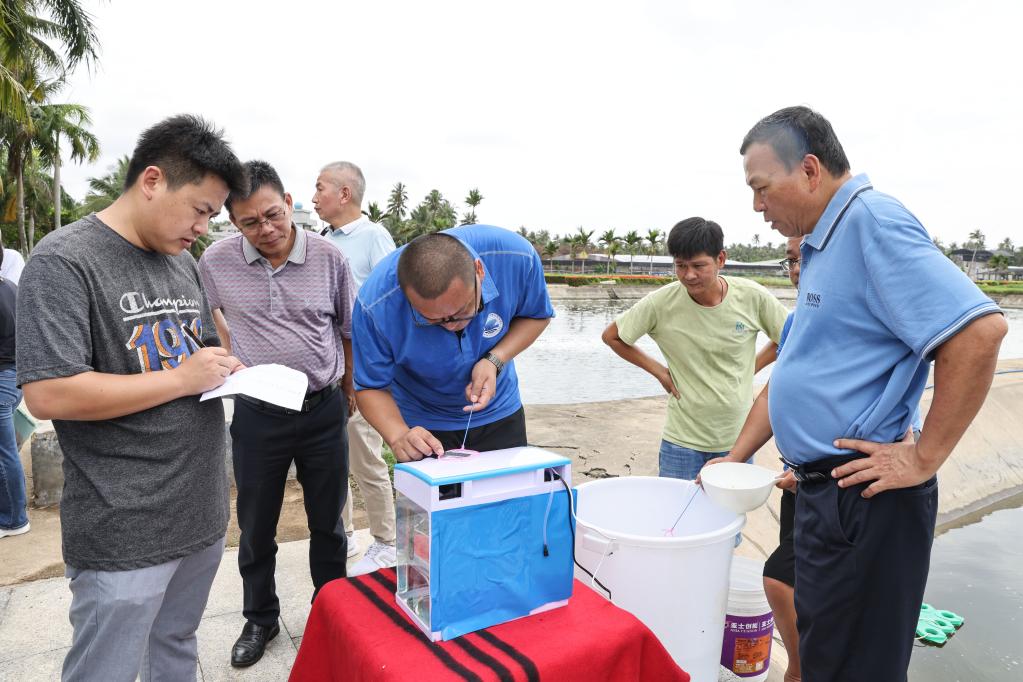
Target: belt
{"points": [[308, 405], [819, 471]]}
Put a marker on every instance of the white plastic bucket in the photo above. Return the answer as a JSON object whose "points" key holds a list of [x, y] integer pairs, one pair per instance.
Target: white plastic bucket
{"points": [[678, 586], [749, 623]]}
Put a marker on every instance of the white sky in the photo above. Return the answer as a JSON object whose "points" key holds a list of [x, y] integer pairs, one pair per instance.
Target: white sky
{"points": [[606, 115]]}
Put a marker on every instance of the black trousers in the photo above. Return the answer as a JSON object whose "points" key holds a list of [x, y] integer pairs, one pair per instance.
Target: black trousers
{"points": [[509, 432], [861, 569], [264, 444]]}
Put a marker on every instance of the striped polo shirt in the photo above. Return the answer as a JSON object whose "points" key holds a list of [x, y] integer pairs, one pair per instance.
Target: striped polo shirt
{"points": [[295, 315]]}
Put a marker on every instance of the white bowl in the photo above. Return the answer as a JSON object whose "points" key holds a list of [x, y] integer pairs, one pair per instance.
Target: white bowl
{"points": [[736, 486]]}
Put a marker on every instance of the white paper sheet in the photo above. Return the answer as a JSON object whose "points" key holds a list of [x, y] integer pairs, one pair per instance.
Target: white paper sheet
{"points": [[275, 384]]}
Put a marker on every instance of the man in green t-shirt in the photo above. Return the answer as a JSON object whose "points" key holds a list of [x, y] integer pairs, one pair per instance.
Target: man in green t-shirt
{"points": [[706, 327]]}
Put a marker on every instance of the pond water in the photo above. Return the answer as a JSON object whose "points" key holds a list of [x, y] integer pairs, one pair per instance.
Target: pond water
{"points": [[570, 364], [976, 573]]}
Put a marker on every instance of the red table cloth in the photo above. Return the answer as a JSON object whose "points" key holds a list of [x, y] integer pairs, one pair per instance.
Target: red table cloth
{"points": [[356, 632]]}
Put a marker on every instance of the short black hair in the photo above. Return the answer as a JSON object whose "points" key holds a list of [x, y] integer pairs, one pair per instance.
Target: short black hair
{"points": [[258, 174], [186, 148], [794, 132], [429, 263], [694, 236]]}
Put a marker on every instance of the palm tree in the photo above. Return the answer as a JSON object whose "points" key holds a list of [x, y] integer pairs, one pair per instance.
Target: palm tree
{"points": [[582, 238], [38, 199], [550, 249], [756, 240], [397, 208], [977, 237], [16, 136], [374, 212], [70, 121], [28, 29], [473, 200], [105, 189], [632, 241], [999, 263], [608, 239], [654, 237]]}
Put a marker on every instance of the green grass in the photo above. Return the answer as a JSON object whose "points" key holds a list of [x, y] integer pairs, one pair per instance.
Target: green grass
{"points": [[773, 282], [1004, 288], [389, 458]]}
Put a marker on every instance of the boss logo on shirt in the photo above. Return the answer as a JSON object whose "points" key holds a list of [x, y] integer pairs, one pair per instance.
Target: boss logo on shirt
{"points": [[813, 300], [493, 326]]}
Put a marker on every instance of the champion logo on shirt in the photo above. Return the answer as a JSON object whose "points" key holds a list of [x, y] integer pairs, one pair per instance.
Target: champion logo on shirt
{"points": [[493, 326]]}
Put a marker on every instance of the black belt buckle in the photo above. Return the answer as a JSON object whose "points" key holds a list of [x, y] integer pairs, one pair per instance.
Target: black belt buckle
{"points": [[802, 475]]}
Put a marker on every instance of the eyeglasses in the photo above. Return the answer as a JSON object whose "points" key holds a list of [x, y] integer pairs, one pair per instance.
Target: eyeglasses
{"points": [[275, 216], [788, 263], [421, 321]]}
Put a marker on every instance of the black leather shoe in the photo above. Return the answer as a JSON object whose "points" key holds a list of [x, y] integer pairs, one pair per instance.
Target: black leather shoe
{"points": [[250, 646]]}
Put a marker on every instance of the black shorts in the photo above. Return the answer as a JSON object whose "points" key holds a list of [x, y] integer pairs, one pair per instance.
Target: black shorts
{"points": [[781, 565], [509, 432]]}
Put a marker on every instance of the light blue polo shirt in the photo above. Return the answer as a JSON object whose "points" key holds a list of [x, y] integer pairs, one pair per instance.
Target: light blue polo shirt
{"points": [[427, 368], [876, 298]]}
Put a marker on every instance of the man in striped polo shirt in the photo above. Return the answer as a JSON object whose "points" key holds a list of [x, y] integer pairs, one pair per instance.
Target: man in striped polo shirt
{"points": [[282, 295]]}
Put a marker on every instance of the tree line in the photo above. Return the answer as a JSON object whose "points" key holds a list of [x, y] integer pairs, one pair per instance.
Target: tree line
{"points": [[41, 43]]}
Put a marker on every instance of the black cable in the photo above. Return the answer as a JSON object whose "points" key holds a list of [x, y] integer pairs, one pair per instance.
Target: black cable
{"points": [[571, 529]]}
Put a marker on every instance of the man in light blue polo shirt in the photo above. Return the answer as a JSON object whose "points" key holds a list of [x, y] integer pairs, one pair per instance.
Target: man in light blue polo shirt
{"points": [[877, 303], [436, 327], [340, 188]]}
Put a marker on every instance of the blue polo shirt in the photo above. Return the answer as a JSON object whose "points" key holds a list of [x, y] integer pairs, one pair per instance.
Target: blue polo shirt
{"points": [[876, 298], [427, 369]]}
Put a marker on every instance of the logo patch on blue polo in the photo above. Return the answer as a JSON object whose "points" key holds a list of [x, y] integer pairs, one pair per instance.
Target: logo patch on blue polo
{"points": [[493, 326], [813, 300]]}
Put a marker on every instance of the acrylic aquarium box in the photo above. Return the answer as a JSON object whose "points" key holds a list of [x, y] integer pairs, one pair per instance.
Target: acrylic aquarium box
{"points": [[483, 539]]}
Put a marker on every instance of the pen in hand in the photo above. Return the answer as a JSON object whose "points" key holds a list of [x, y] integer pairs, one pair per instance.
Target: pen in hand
{"points": [[192, 335]]}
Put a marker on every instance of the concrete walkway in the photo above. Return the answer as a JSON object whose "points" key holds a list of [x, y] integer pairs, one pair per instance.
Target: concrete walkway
{"points": [[35, 633]]}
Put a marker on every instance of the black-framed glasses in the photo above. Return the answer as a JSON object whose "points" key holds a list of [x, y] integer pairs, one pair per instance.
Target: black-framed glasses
{"points": [[421, 321], [788, 263], [275, 216]]}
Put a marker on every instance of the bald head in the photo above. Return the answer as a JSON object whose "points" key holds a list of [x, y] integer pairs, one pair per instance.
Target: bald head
{"points": [[430, 263]]}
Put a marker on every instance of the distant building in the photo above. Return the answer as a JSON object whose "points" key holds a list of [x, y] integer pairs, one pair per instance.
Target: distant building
{"points": [[304, 218]]}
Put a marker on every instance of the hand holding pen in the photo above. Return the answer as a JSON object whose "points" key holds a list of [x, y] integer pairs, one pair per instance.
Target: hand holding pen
{"points": [[206, 368]]}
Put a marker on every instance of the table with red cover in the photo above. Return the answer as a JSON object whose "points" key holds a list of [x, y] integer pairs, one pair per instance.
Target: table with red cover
{"points": [[356, 632]]}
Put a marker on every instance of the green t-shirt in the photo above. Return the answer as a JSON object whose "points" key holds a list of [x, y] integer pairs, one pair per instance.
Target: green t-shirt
{"points": [[711, 354]]}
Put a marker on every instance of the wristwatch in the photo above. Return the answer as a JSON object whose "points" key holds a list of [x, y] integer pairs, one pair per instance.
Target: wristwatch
{"points": [[498, 362]]}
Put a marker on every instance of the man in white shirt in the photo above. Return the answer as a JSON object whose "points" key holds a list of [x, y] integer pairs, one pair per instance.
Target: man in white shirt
{"points": [[340, 188], [12, 266]]}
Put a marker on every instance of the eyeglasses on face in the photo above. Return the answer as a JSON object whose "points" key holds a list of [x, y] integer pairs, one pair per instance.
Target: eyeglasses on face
{"points": [[421, 321], [276, 216], [788, 263]]}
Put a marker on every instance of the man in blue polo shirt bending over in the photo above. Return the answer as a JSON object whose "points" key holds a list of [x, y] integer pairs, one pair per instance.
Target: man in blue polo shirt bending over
{"points": [[877, 303], [435, 329]]}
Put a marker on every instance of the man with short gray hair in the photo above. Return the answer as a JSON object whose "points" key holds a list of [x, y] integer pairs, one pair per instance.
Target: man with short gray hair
{"points": [[340, 188]]}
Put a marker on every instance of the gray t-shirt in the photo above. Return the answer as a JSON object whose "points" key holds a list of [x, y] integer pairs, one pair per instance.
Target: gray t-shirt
{"points": [[151, 486]]}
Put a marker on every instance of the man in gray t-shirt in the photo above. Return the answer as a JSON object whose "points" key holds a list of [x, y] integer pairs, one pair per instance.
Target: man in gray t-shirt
{"points": [[105, 308]]}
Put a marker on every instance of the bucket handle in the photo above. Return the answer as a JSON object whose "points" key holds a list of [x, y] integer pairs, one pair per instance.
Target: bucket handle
{"points": [[595, 542]]}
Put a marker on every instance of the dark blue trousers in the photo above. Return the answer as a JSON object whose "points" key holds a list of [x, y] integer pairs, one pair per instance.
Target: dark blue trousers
{"points": [[861, 569]]}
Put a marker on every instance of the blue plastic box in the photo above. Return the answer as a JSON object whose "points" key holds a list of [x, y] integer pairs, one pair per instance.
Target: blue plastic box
{"points": [[482, 540]]}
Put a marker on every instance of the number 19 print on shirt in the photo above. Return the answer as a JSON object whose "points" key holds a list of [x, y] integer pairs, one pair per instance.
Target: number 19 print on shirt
{"points": [[156, 333]]}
